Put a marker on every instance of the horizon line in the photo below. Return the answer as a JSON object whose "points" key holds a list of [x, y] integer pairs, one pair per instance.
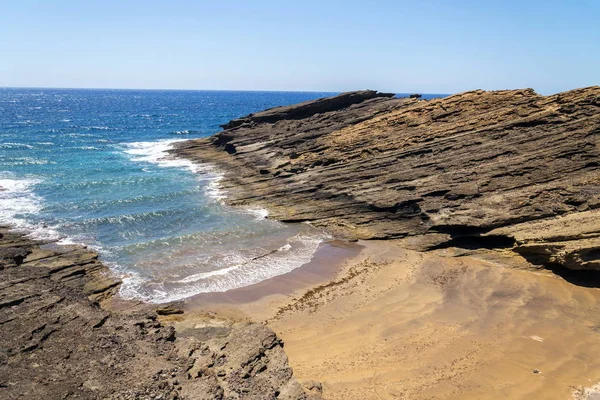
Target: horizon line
{"points": [[213, 90]]}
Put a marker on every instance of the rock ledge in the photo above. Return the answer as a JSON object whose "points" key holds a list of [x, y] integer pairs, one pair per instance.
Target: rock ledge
{"points": [[467, 170], [58, 342]]}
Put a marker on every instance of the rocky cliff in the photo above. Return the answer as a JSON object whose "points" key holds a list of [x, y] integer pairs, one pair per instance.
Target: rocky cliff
{"points": [[509, 169], [57, 342]]}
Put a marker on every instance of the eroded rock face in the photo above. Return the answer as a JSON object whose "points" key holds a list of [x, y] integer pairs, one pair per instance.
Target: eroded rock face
{"points": [[57, 342], [244, 360], [444, 170], [571, 240]]}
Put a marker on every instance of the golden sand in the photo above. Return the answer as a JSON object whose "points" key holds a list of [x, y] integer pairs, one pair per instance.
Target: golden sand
{"points": [[390, 323]]}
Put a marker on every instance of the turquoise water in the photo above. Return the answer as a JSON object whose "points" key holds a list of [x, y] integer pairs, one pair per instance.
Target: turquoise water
{"points": [[89, 166]]}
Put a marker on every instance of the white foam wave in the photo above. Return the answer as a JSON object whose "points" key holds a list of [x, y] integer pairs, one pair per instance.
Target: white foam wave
{"points": [[15, 146], [259, 213], [204, 275], [86, 148], [28, 161], [157, 153], [96, 128], [285, 247], [18, 203], [299, 251], [238, 270], [214, 189], [67, 241]]}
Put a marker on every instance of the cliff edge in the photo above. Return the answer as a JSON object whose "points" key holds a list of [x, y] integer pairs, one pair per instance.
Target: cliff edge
{"points": [[492, 169]]}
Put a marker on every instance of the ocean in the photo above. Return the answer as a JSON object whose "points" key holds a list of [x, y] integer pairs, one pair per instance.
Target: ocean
{"points": [[89, 166]]}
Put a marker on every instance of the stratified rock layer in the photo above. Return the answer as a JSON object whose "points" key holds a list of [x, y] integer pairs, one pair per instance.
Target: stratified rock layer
{"points": [[57, 342], [450, 171]]}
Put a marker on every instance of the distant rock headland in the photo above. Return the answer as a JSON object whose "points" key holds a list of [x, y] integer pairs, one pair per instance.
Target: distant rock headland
{"points": [[482, 169]]}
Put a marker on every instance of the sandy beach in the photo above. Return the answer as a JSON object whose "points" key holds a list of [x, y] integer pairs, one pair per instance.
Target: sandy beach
{"points": [[377, 321]]}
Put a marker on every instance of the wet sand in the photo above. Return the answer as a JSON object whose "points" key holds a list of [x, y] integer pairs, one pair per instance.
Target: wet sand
{"points": [[326, 263], [375, 321]]}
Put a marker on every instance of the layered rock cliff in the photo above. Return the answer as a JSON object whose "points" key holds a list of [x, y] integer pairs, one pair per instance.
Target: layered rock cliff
{"points": [[510, 169], [57, 342]]}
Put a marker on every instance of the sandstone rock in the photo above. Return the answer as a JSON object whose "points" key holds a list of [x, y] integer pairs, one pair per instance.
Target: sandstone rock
{"points": [[13, 256], [312, 388], [170, 309], [383, 167], [245, 361]]}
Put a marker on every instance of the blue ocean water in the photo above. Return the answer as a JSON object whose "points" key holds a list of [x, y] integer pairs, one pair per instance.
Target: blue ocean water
{"points": [[89, 166]]}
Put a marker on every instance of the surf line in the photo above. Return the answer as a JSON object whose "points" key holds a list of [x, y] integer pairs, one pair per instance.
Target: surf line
{"points": [[197, 277]]}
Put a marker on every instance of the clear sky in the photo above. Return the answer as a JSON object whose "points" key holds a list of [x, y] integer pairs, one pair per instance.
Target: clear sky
{"points": [[442, 46]]}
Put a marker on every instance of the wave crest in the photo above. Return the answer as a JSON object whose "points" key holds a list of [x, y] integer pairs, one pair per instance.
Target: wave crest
{"points": [[18, 203]]}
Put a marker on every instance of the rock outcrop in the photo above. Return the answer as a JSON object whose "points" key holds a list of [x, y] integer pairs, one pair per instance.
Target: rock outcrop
{"points": [[467, 170], [58, 342], [308, 108]]}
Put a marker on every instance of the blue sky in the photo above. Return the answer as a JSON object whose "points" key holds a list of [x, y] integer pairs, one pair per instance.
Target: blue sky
{"points": [[401, 46]]}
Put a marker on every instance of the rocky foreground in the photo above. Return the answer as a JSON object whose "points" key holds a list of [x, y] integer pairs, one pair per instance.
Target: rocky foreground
{"points": [[58, 342], [503, 169]]}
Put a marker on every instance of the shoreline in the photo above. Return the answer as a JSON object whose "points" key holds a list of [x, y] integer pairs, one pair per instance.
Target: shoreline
{"points": [[62, 335], [155, 152], [326, 264], [429, 325]]}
